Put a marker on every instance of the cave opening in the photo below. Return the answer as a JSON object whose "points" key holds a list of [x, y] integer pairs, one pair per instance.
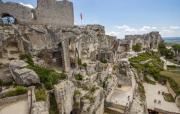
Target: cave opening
{"points": [[8, 19]]}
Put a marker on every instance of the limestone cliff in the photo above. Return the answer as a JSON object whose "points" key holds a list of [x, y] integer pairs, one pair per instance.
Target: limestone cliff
{"points": [[64, 93]]}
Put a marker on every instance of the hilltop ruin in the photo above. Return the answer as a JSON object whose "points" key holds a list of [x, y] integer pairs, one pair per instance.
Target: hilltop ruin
{"points": [[79, 68]]}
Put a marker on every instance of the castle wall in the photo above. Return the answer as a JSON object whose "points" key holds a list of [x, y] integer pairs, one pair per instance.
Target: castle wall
{"points": [[47, 12], [21, 13], [55, 12]]}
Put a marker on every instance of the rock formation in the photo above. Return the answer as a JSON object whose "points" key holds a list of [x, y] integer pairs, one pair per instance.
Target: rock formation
{"points": [[64, 93], [147, 41], [91, 61], [23, 75]]}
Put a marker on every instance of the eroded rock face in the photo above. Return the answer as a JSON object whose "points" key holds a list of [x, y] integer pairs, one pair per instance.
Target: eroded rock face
{"points": [[148, 41], [23, 75], [93, 103], [37, 107], [40, 108], [124, 73], [64, 93]]}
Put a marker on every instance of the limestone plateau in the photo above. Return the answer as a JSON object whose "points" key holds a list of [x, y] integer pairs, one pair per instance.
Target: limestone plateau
{"points": [[48, 65]]}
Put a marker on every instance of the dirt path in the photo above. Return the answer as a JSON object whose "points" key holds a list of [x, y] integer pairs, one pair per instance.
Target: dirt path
{"points": [[20, 107]]}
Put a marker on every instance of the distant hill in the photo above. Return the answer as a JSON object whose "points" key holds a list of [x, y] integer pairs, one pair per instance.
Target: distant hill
{"points": [[172, 39]]}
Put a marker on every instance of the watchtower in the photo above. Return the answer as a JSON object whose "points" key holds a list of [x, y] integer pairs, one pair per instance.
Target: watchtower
{"points": [[55, 12]]}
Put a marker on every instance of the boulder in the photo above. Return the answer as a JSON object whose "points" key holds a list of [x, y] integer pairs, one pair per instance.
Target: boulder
{"points": [[23, 75]]}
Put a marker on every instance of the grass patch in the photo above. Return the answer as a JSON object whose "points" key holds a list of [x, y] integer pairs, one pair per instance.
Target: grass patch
{"points": [[174, 76], [152, 67], [174, 69], [41, 95], [19, 90], [53, 105], [168, 97]]}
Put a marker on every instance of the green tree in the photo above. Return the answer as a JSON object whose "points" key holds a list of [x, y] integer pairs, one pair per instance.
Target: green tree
{"points": [[165, 52], [137, 47]]}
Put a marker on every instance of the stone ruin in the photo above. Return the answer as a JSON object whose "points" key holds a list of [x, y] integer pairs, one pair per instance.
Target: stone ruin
{"points": [[48, 34], [62, 46], [47, 12], [147, 41]]}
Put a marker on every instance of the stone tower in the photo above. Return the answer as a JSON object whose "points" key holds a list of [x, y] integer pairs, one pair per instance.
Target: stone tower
{"points": [[45, 3], [55, 12]]}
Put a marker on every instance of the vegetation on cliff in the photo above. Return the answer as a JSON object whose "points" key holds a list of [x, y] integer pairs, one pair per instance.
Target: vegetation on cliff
{"points": [[47, 76], [149, 64], [19, 90], [176, 47], [53, 105], [41, 95], [168, 53], [137, 47]]}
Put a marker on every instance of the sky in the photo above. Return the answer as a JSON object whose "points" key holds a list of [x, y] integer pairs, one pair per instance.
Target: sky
{"points": [[124, 17]]}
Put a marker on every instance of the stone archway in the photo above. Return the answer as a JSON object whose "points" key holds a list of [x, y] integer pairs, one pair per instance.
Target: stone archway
{"points": [[8, 19]]}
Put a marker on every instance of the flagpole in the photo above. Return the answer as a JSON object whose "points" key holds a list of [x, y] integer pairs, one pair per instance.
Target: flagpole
{"points": [[81, 16]]}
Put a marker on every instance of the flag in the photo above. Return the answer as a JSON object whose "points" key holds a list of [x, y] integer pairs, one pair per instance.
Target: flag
{"points": [[81, 16]]}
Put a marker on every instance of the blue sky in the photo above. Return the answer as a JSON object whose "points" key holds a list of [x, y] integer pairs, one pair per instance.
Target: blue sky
{"points": [[121, 17]]}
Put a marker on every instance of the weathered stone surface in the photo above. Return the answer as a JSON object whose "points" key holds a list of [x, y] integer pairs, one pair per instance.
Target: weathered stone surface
{"points": [[64, 93], [40, 108], [46, 11], [93, 103], [21, 74], [37, 107], [147, 41], [17, 64], [124, 73]]}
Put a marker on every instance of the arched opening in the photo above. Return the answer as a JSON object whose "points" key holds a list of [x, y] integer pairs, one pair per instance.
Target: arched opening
{"points": [[8, 19]]}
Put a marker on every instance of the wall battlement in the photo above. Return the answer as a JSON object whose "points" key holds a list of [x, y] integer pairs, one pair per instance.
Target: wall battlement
{"points": [[47, 12]]}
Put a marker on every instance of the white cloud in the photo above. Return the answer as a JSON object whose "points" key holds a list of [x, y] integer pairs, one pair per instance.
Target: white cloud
{"points": [[121, 31], [174, 27], [113, 33], [154, 28], [27, 5]]}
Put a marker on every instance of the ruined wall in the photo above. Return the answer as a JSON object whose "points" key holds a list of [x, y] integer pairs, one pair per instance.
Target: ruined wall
{"points": [[148, 41], [55, 12], [21, 13], [47, 12]]}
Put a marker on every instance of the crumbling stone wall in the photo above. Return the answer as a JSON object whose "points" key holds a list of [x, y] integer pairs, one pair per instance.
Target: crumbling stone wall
{"points": [[55, 12], [47, 12], [147, 41], [21, 13]]}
